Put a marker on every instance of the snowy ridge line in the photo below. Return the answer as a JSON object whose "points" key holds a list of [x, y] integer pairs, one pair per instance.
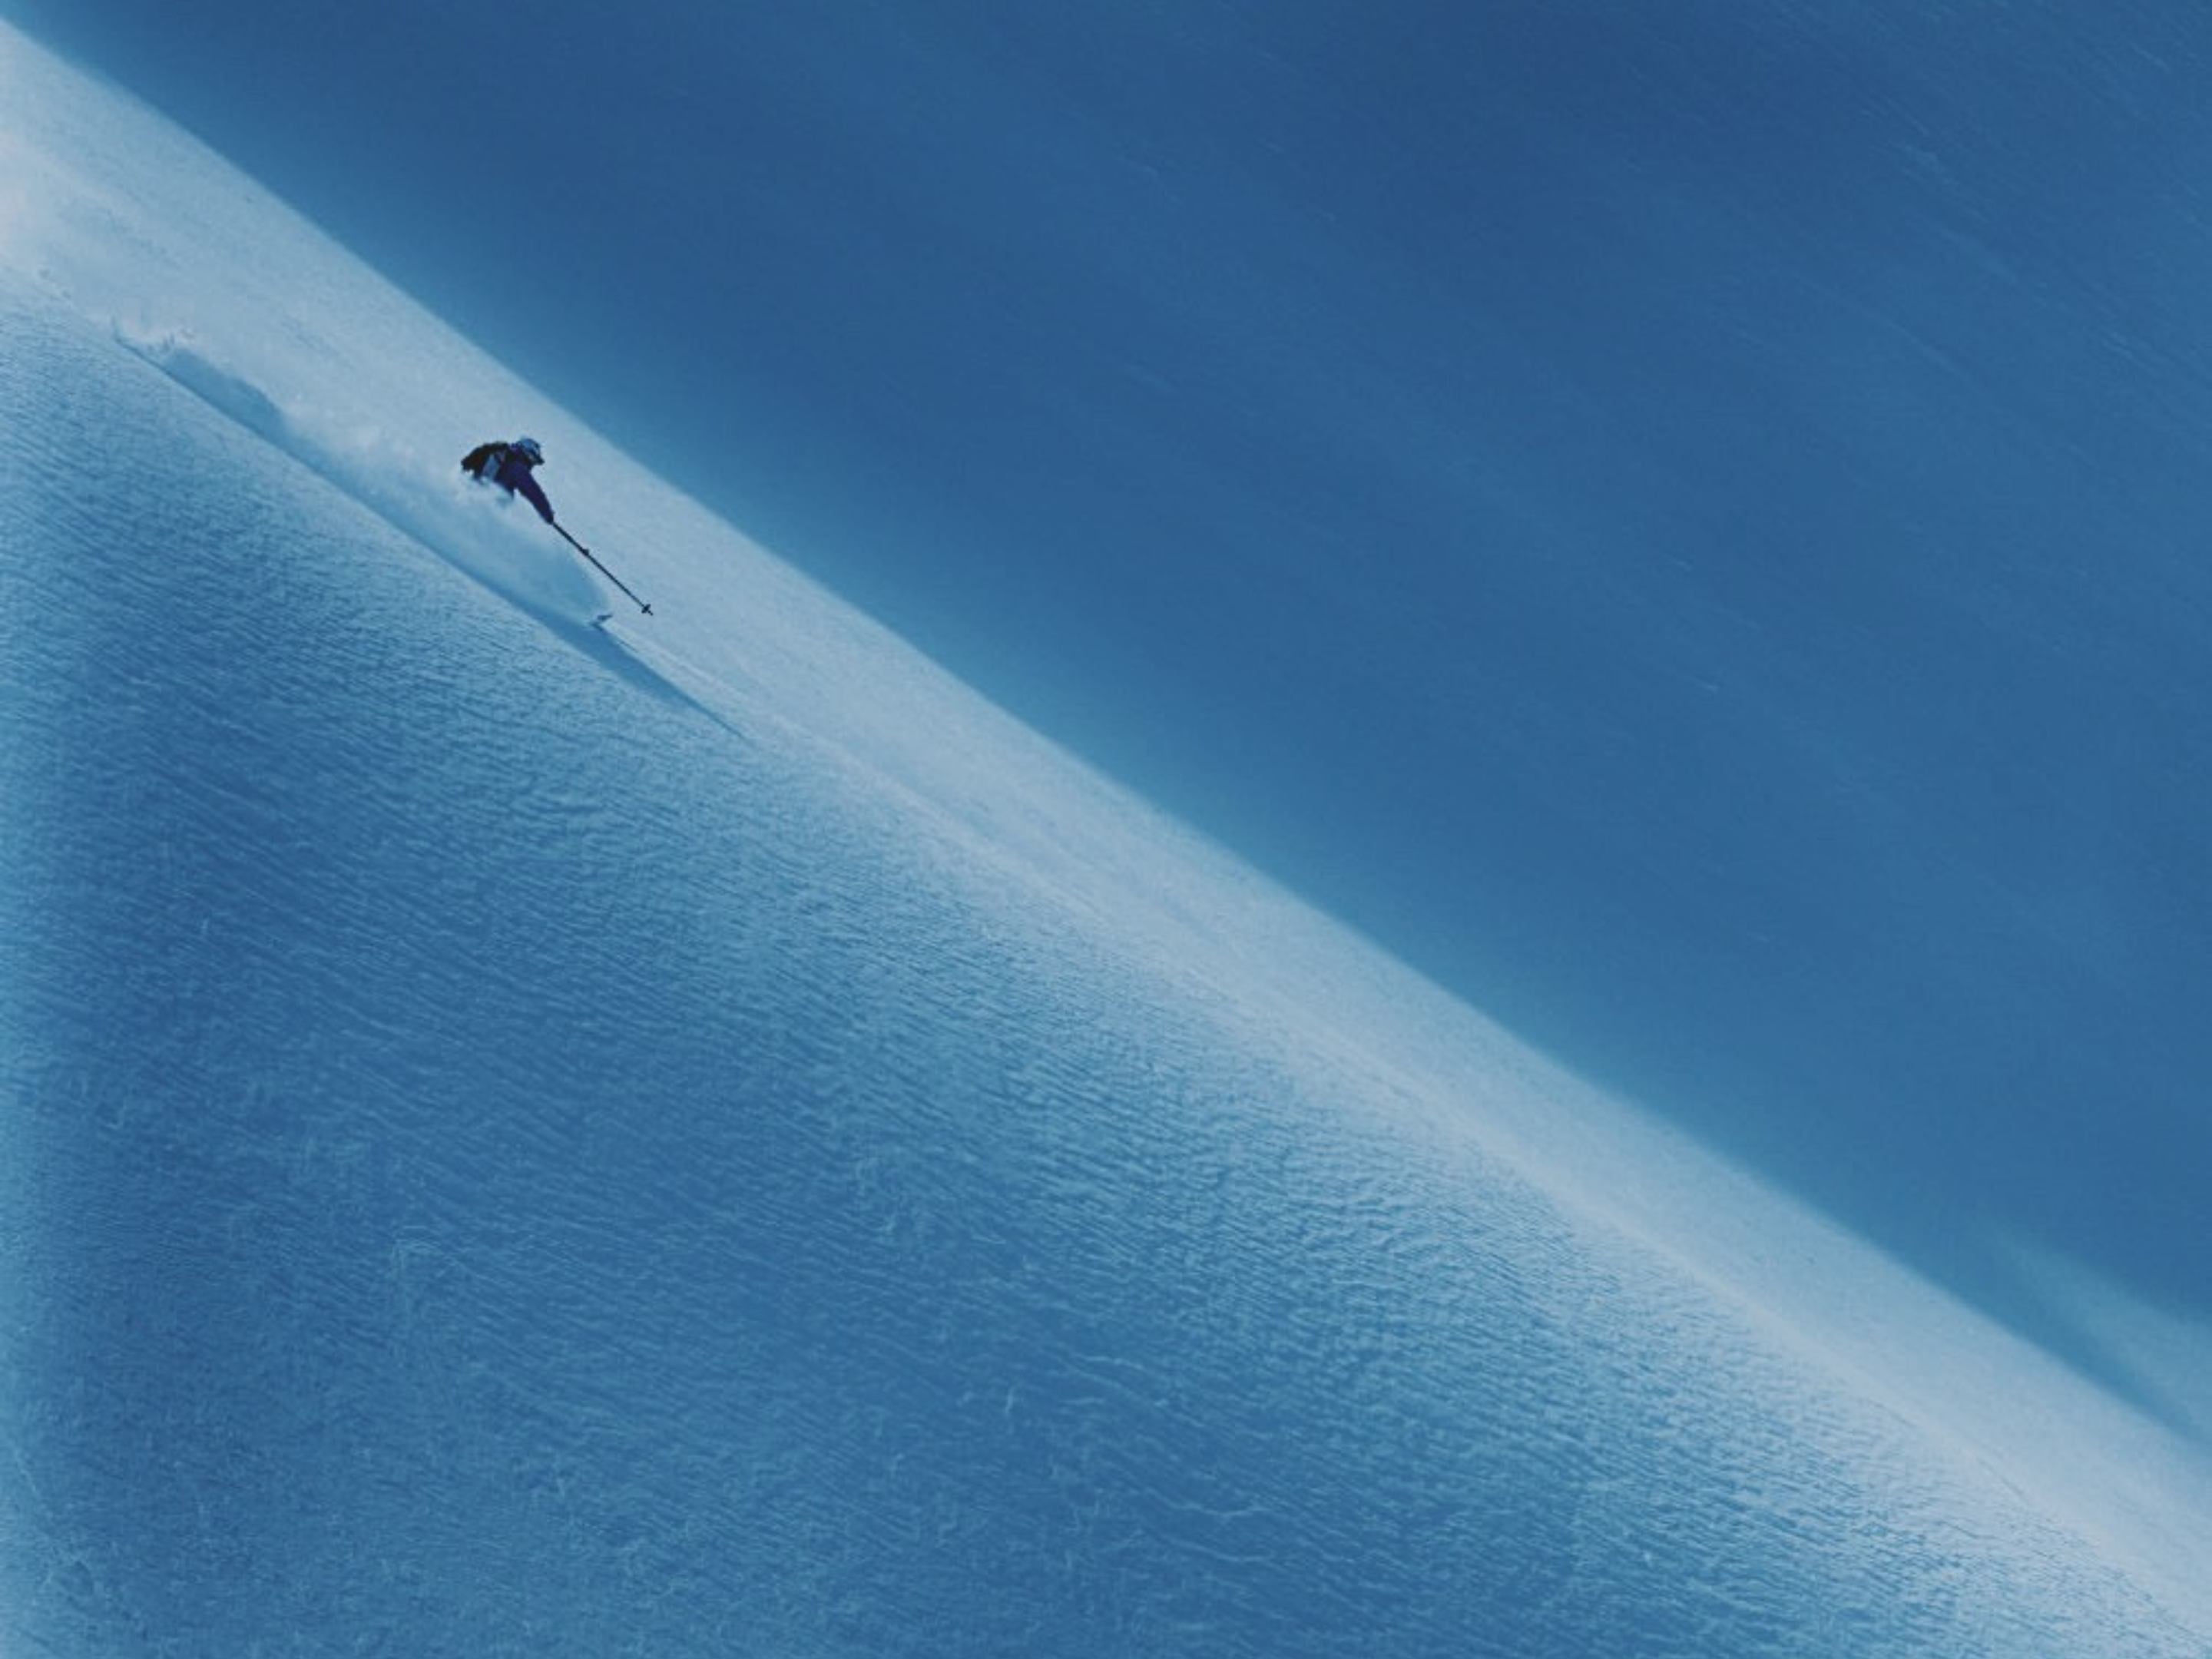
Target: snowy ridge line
{"points": [[256, 312], [2008, 1419], [488, 537], [255, 339], [1481, 1182], [105, 187], [506, 550]]}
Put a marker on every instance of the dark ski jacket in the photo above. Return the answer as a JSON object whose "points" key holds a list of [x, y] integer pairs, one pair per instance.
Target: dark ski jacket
{"points": [[509, 468]]}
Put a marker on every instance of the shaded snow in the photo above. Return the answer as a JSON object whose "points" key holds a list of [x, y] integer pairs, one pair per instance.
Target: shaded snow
{"points": [[706, 1136]]}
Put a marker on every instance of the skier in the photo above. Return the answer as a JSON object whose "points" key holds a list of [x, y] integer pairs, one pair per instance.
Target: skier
{"points": [[509, 465]]}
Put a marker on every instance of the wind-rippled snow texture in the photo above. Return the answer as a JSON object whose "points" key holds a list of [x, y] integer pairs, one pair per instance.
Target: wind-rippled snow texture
{"points": [[501, 1164]]}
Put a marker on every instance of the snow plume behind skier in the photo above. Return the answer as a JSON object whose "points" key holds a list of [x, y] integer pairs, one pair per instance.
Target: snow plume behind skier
{"points": [[510, 466]]}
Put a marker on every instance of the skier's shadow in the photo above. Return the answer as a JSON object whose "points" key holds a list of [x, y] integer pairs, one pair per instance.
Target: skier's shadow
{"points": [[607, 651]]}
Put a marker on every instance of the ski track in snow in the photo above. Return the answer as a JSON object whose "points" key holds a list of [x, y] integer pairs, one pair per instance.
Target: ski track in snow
{"points": [[497, 1162]]}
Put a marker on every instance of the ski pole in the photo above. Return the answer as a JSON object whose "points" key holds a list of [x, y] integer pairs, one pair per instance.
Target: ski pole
{"points": [[602, 570]]}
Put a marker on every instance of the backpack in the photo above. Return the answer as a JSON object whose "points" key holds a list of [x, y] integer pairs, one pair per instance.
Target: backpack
{"points": [[484, 460]]}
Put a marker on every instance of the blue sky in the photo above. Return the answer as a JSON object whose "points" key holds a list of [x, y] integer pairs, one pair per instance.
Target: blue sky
{"points": [[1684, 527]]}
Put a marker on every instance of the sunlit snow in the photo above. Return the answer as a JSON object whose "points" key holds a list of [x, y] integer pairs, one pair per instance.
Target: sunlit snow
{"points": [[702, 1134]]}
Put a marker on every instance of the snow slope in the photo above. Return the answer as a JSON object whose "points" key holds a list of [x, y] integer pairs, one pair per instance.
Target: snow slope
{"points": [[704, 1136]]}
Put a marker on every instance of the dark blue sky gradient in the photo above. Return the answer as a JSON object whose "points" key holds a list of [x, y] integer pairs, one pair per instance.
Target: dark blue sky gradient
{"points": [[1683, 522]]}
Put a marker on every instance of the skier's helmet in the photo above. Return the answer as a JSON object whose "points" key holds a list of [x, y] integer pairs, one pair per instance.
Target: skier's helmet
{"points": [[529, 448]]}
